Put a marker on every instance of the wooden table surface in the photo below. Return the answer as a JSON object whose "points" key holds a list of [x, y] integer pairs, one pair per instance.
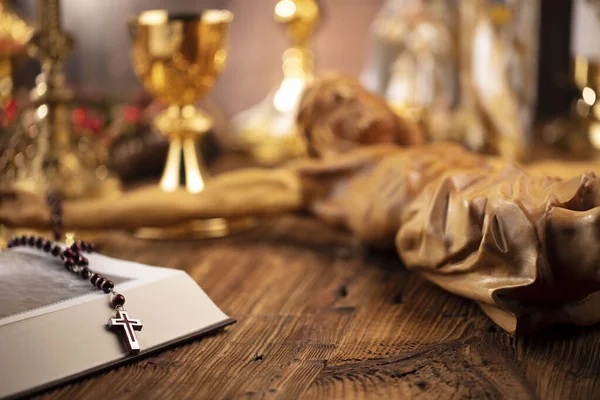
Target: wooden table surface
{"points": [[319, 315]]}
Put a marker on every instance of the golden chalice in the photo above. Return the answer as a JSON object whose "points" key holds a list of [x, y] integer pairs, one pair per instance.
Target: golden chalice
{"points": [[178, 57]]}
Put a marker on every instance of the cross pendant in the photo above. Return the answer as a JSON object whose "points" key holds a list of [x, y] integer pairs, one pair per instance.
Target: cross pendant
{"points": [[127, 326]]}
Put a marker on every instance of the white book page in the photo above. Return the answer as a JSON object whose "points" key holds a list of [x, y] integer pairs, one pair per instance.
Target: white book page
{"points": [[33, 283]]}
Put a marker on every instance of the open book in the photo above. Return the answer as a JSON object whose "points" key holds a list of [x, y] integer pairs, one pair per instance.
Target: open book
{"points": [[53, 325]]}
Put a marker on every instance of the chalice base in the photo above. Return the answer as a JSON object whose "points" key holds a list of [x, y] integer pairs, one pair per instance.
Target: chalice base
{"points": [[183, 126], [199, 229], [268, 130]]}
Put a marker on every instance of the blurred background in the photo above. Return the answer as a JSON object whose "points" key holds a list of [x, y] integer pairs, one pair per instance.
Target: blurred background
{"points": [[507, 77], [100, 61]]}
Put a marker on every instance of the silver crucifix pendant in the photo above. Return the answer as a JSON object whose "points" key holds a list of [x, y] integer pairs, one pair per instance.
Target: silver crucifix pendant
{"points": [[123, 323]]}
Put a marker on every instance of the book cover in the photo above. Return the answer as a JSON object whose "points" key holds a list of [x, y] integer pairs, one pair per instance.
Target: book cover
{"points": [[53, 325]]}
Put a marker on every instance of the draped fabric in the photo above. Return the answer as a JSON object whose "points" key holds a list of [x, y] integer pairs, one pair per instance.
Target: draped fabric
{"points": [[523, 246]]}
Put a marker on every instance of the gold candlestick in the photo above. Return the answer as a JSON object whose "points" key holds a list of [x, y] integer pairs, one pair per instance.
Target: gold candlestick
{"points": [[268, 130]]}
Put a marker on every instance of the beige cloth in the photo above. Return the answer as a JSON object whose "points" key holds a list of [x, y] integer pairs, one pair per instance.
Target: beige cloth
{"points": [[524, 247]]}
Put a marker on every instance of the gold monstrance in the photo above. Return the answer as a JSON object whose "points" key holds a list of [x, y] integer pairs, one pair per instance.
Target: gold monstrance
{"points": [[268, 130], [41, 157]]}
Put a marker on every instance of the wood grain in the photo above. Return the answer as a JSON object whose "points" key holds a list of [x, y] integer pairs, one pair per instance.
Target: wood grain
{"points": [[320, 316]]}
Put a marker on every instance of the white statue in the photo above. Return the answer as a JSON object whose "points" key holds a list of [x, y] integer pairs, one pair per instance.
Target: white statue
{"points": [[468, 68]]}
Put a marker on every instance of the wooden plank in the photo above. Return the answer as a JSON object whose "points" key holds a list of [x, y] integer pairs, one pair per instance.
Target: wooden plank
{"points": [[322, 316], [453, 369]]}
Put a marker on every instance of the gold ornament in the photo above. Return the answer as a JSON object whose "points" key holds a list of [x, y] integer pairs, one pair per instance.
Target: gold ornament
{"points": [[14, 33], [41, 156], [178, 59], [268, 130]]}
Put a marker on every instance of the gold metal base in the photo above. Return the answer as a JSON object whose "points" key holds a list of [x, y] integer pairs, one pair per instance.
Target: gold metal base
{"points": [[199, 229], [268, 131], [183, 126], [272, 150]]}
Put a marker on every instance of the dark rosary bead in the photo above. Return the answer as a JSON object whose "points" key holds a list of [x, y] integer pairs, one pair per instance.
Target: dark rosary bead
{"points": [[94, 278], [56, 218], [100, 282], [118, 300], [90, 246], [31, 240], [53, 198], [47, 246], [12, 242], [23, 240], [39, 242], [56, 250], [85, 273], [68, 263], [82, 245], [76, 246], [108, 286], [57, 235], [69, 253], [82, 261]]}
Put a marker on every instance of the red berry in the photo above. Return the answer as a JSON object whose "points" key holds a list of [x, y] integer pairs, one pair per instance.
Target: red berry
{"points": [[94, 124], [10, 109], [131, 114], [79, 116]]}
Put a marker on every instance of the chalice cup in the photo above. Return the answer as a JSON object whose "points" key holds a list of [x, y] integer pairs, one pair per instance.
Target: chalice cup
{"points": [[178, 57]]}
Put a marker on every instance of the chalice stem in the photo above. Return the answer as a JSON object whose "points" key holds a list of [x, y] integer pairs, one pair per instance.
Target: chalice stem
{"points": [[170, 178], [194, 167]]}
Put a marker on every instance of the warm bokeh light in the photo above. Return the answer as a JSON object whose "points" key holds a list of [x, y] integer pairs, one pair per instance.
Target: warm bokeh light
{"points": [[285, 9], [288, 94], [595, 134], [41, 88], [42, 111], [589, 96], [153, 17], [216, 16], [582, 108]]}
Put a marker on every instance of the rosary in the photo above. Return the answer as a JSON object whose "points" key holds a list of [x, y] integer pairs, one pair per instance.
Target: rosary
{"points": [[74, 261]]}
